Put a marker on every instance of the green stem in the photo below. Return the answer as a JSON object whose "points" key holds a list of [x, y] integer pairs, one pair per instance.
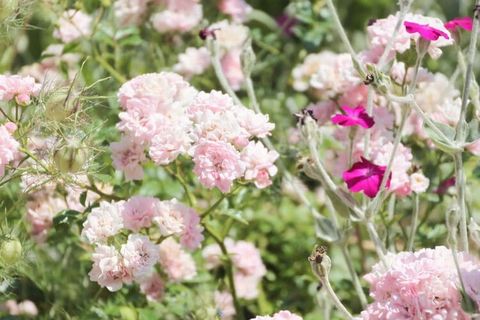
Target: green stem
{"points": [[411, 238], [460, 187], [229, 267], [105, 65], [354, 276]]}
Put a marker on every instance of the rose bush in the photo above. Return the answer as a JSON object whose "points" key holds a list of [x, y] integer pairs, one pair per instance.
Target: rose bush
{"points": [[179, 159]]}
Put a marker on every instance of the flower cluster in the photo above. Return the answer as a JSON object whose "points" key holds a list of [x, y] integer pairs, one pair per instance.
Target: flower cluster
{"points": [[281, 315], [247, 262], [178, 16], [168, 117], [136, 259], [24, 308], [8, 146], [73, 25], [422, 285], [18, 88]]}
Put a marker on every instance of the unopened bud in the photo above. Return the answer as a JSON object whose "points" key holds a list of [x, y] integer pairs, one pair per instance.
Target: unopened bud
{"points": [[7, 8], [58, 106], [70, 158], [10, 251], [320, 262]]}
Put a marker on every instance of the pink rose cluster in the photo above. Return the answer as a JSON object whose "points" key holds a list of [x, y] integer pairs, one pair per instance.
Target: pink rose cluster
{"points": [[247, 262], [178, 15], [25, 308], [237, 9], [281, 315], [164, 115], [422, 285], [136, 260], [18, 88]]}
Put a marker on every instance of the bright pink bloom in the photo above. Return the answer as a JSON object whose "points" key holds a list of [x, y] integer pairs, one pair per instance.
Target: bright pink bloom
{"points": [[425, 31], [365, 176], [217, 164], [465, 23], [353, 117], [445, 185]]}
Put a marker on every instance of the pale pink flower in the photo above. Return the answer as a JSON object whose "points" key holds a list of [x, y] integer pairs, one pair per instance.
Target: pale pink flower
{"points": [[212, 254], [24, 308], [232, 68], [474, 147], [103, 222], [40, 216], [281, 315], [224, 305], [230, 36], [130, 12], [420, 285], [177, 264], [217, 164], [169, 217], [418, 182], [237, 9], [108, 268], [153, 287], [8, 146], [139, 255], [256, 124], [178, 16], [322, 111], [20, 88], [191, 236], [128, 157], [138, 212], [259, 162], [381, 31], [194, 61], [213, 101], [72, 25], [172, 139]]}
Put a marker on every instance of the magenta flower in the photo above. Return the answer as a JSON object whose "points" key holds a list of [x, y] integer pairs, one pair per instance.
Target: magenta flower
{"points": [[465, 23], [353, 117], [365, 176], [425, 31]]}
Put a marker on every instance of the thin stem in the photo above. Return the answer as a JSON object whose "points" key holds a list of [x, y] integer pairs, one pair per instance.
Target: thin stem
{"points": [[217, 67], [460, 187], [31, 155], [354, 276], [379, 247], [326, 284], [344, 38], [472, 49], [411, 238], [6, 115], [191, 199], [105, 65], [457, 267], [229, 269]]}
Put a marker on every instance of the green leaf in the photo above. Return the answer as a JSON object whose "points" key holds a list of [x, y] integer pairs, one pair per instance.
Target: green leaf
{"points": [[83, 198], [326, 230], [440, 142], [66, 217], [236, 215], [408, 57]]}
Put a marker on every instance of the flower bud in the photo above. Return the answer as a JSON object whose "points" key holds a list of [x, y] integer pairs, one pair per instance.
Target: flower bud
{"points": [[10, 251], [320, 262], [7, 8], [71, 157], [248, 58], [128, 313], [57, 106]]}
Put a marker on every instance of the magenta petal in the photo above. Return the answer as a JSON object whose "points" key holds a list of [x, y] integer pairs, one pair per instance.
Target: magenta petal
{"points": [[425, 31], [353, 117], [465, 23], [365, 176]]}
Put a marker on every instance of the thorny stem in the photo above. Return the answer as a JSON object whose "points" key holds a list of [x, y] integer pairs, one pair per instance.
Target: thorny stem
{"points": [[354, 276], [411, 237], [229, 267]]}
